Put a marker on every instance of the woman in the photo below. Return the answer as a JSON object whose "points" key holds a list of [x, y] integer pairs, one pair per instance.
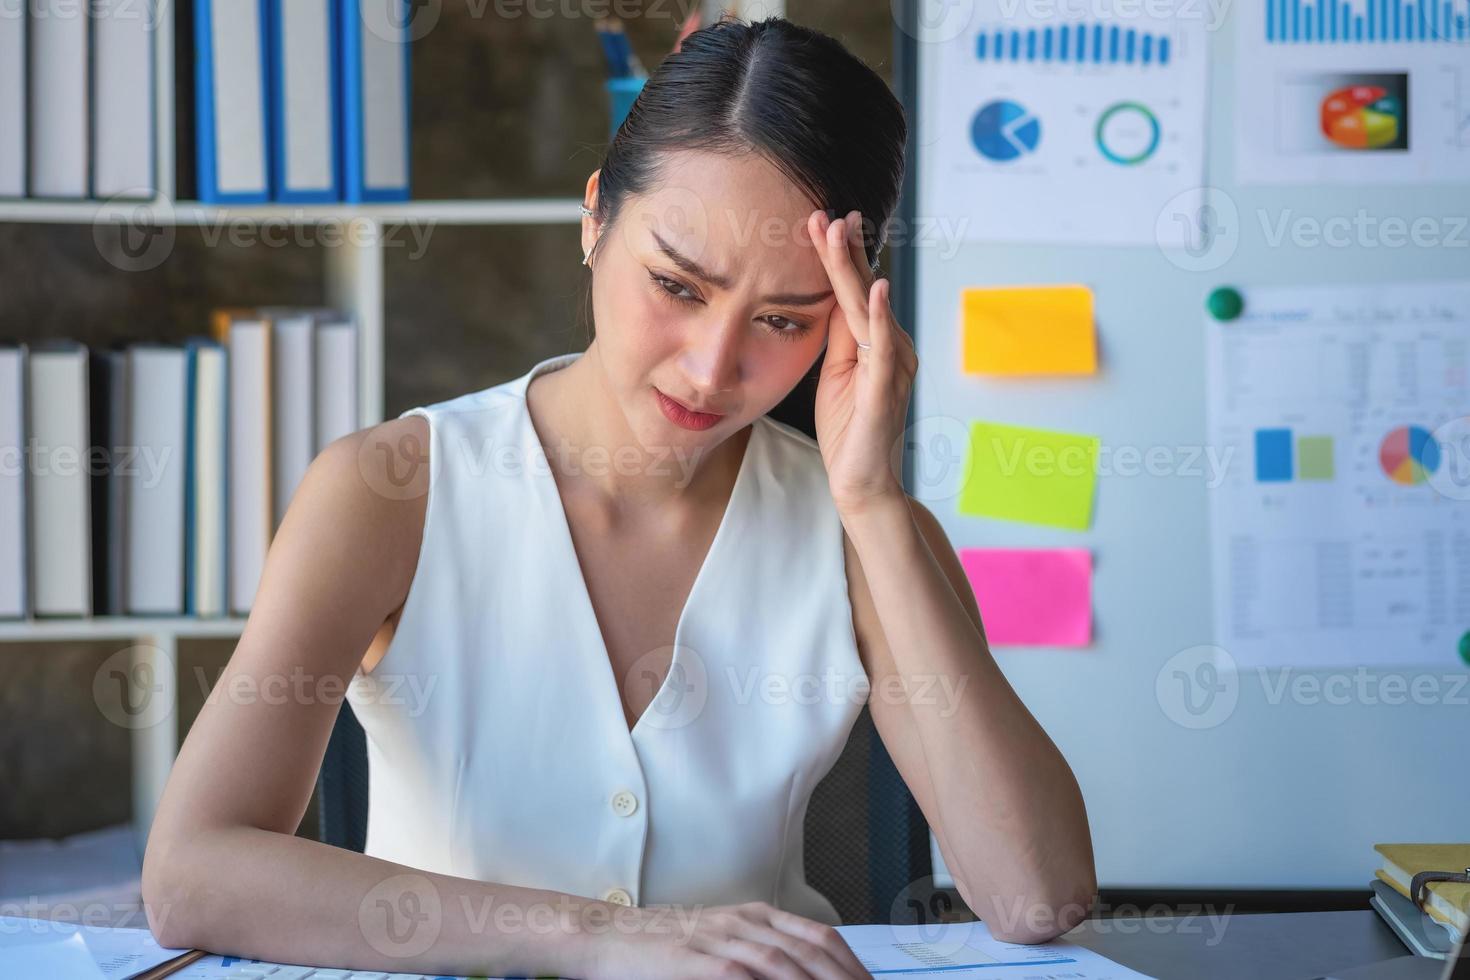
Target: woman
{"points": [[608, 640]]}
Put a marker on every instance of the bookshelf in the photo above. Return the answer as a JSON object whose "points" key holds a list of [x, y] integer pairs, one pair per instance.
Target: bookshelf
{"points": [[353, 275], [161, 211]]}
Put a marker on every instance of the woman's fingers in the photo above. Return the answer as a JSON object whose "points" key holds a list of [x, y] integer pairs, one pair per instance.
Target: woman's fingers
{"points": [[841, 344], [880, 331], [847, 282], [882, 322], [823, 937], [810, 961], [862, 296], [855, 249], [763, 960]]}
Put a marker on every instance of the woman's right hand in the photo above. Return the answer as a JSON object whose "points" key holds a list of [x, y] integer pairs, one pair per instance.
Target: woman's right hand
{"points": [[749, 941]]}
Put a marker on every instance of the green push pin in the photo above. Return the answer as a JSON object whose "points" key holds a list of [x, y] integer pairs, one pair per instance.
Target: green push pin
{"points": [[1225, 303], [1465, 647]]}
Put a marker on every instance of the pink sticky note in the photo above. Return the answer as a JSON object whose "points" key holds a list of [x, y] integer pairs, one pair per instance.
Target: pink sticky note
{"points": [[1032, 597]]}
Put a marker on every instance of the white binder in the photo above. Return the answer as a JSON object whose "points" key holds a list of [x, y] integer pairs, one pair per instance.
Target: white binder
{"points": [[305, 155], [14, 602], [230, 101], [154, 580], [375, 99], [59, 490], [12, 98], [123, 93], [59, 69]]}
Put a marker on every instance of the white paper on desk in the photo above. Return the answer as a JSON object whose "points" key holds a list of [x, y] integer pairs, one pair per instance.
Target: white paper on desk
{"points": [[222, 967], [967, 951], [941, 951], [124, 953], [55, 955], [114, 954]]}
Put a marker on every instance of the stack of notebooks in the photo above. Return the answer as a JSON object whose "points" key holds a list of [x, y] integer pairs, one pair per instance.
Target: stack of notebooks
{"points": [[149, 479], [297, 101], [76, 98], [301, 101], [1446, 918]]}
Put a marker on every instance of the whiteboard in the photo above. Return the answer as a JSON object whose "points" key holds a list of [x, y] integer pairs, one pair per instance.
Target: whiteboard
{"points": [[1284, 792]]}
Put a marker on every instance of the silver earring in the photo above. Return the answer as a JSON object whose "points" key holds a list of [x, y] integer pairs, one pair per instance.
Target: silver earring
{"points": [[586, 252]]}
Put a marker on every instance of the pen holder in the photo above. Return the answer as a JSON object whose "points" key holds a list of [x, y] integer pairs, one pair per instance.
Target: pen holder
{"points": [[621, 94]]}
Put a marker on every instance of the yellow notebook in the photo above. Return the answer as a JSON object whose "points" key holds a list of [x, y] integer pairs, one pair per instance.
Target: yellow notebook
{"points": [[1448, 902]]}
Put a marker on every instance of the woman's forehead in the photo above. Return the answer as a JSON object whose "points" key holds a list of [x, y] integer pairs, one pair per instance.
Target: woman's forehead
{"points": [[746, 187], [727, 255]]}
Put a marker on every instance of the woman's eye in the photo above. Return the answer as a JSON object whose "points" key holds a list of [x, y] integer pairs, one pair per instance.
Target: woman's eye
{"points": [[786, 328], [663, 284], [677, 292]]}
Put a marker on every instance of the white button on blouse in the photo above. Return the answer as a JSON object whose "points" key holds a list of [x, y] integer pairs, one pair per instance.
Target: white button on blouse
{"points": [[496, 735]]}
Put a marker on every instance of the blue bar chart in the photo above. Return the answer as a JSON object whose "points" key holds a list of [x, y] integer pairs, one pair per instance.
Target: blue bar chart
{"points": [[1353, 21], [1082, 43]]}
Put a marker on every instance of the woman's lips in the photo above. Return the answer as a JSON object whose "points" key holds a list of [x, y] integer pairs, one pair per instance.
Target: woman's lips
{"points": [[682, 416]]}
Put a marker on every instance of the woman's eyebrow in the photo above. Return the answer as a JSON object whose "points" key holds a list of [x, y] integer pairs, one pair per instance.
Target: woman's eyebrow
{"points": [[724, 282]]}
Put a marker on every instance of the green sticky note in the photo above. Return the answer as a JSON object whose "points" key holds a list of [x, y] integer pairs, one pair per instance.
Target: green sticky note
{"points": [[1039, 476]]}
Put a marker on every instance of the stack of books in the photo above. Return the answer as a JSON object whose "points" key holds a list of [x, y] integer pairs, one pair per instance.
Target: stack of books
{"points": [[1446, 916], [299, 101], [148, 479], [76, 98]]}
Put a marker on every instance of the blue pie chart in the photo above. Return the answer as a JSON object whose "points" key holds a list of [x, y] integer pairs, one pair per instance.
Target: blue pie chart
{"points": [[1004, 130]]}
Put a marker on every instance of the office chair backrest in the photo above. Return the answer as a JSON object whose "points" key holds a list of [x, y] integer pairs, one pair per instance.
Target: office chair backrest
{"points": [[342, 785], [867, 845]]}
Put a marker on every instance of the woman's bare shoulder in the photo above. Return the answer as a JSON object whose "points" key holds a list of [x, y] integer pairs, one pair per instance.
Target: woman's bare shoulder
{"points": [[368, 492], [390, 459]]}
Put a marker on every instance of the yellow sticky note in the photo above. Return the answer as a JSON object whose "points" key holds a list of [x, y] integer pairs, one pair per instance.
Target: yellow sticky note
{"points": [[1039, 476], [1028, 330]]}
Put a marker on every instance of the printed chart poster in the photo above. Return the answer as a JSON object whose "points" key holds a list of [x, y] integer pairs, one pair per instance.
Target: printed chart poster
{"points": [[1340, 535], [1352, 91], [1068, 122]]}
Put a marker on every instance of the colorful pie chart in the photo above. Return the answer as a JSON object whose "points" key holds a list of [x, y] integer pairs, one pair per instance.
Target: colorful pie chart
{"points": [[1408, 455], [1362, 117]]}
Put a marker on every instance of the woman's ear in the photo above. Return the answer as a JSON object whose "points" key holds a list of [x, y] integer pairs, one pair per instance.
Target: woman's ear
{"points": [[589, 197], [591, 226]]}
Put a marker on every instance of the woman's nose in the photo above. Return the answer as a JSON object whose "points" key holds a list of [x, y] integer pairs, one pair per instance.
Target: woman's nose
{"points": [[713, 359]]}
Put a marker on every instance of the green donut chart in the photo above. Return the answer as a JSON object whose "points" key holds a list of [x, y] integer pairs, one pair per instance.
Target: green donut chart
{"points": [[1127, 115]]}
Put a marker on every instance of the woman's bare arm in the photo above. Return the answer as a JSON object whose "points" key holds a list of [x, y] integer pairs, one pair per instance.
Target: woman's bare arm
{"points": [[224, 870]]}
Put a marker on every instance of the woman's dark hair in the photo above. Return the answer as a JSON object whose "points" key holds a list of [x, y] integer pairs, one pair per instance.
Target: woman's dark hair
{"points": [[793, 95]]}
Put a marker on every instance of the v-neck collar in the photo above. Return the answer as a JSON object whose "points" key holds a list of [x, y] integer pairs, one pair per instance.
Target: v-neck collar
{"points": [[566, 552]]}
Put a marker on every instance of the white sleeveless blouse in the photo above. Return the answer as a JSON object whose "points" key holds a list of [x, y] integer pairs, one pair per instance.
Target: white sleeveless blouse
{"points": [[498, 748]]}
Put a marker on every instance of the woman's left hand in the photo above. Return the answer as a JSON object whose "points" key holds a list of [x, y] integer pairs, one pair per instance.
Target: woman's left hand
{"points": [[862, 395]]}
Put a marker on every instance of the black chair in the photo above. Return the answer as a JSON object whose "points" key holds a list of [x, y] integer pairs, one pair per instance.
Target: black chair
{"points": [[867, 844]]}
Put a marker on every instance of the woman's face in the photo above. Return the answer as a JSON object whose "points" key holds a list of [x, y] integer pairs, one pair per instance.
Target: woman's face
{"points": [[710, 291]]}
